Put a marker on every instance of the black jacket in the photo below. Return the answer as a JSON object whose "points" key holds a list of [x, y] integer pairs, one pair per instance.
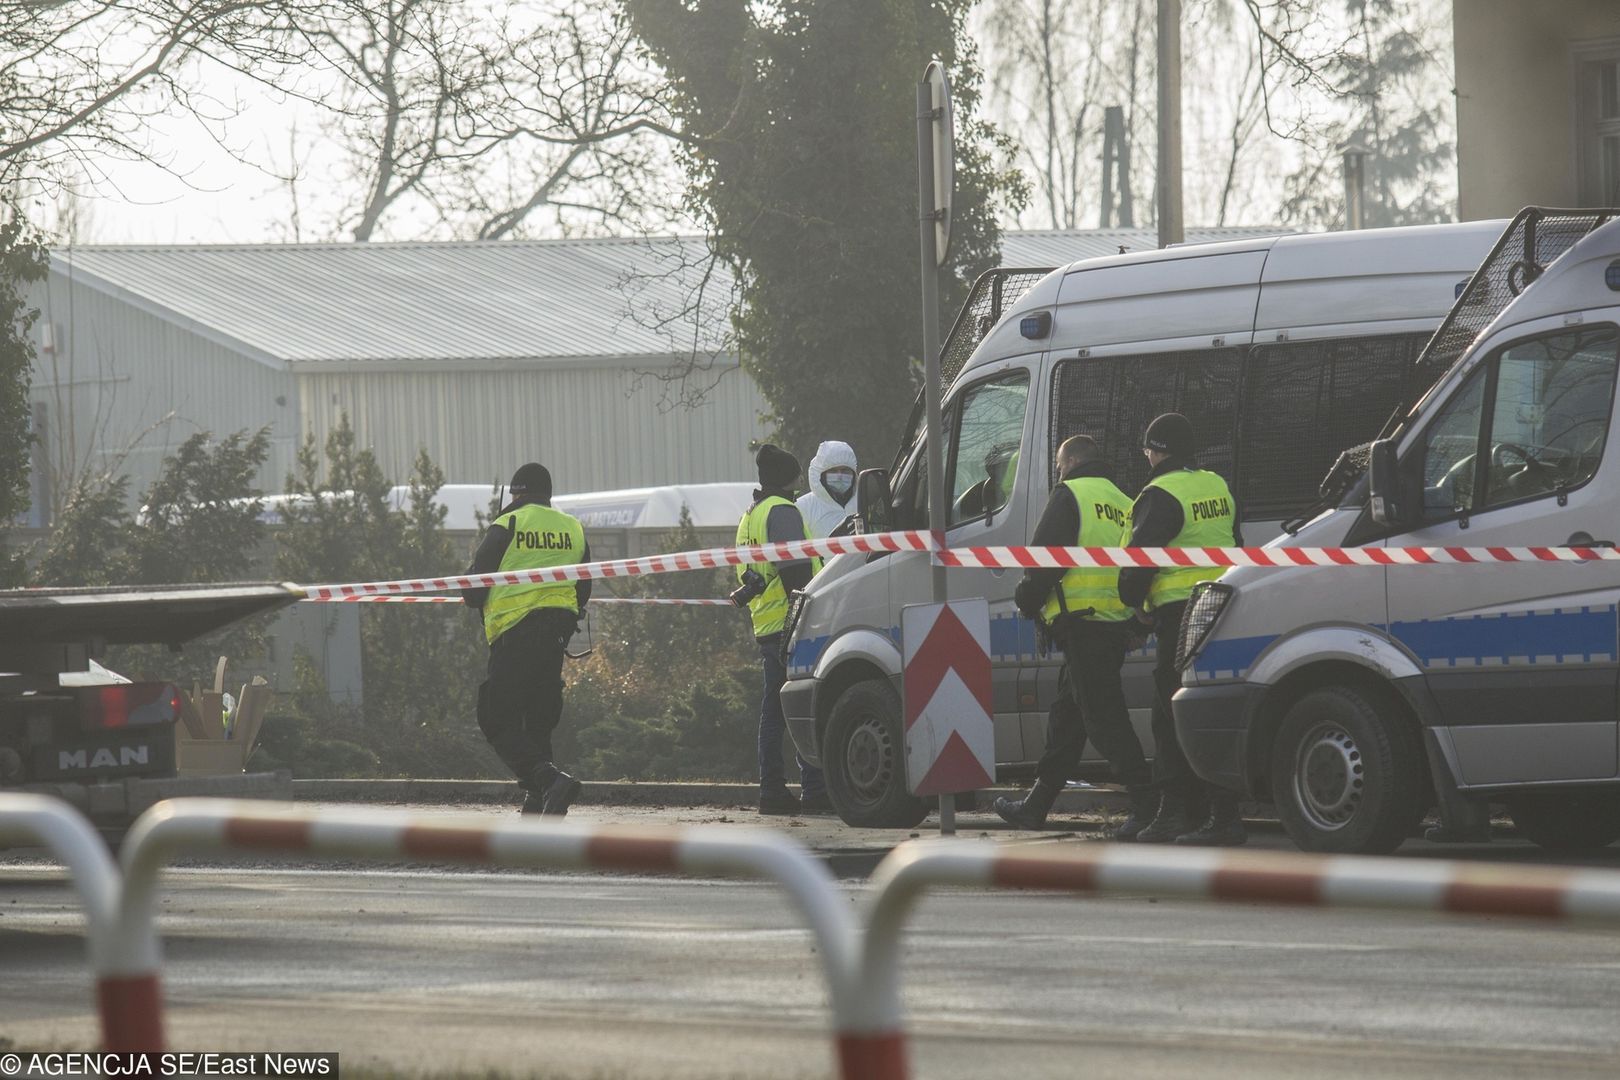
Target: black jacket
{"points": [[1059, 526], [492, 549], [1156, 520], [785, 523]]}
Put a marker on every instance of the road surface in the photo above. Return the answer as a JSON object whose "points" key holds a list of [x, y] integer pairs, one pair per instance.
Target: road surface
{"points": [[435, 971]]}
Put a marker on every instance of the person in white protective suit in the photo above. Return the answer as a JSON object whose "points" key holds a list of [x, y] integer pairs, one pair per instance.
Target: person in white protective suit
{"points": [[831, 501]]}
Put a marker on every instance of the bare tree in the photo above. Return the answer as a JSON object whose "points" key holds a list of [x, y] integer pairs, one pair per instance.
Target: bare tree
{"points": [[80, 81], [469, 122]]}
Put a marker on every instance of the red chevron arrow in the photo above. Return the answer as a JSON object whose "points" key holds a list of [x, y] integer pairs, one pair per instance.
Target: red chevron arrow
{"points": [[956, 769], [948, 646]]}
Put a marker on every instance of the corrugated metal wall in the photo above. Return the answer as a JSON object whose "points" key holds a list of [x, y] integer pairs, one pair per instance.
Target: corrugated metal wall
{"points": [[116, 372], [596, 428]]}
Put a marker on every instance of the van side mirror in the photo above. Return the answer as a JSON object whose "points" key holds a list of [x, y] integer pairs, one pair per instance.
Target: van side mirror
{"points": [[1384, 485], [876, 503]]}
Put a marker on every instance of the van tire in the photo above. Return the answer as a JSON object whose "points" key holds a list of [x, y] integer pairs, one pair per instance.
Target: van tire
{"points": [[1347, 772], [1568, 821], [863, 756]]}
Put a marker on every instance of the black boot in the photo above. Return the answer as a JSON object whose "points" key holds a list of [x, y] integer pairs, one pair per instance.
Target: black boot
{"points": [[1144, 808], [1173, 819], [551, 791], [1224, 828], [1030, 811]]}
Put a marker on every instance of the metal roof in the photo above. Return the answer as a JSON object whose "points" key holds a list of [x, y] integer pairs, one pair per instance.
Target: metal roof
{"points": [[482, 304]]}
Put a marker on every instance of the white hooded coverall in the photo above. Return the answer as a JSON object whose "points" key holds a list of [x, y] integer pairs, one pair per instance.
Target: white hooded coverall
{"points": [[821, 512]]}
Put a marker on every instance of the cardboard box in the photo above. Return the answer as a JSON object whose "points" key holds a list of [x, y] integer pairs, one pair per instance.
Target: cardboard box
{"points": [[204, 744]]}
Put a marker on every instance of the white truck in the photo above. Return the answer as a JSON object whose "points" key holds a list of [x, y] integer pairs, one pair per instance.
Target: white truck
{"points": [[110, 749], [1282, 350], [1356, 699]]}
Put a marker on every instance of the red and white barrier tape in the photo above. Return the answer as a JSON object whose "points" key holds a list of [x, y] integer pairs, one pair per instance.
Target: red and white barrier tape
{"points": [[977, 557], [1275, 557], [707, 559], [655, 601]]}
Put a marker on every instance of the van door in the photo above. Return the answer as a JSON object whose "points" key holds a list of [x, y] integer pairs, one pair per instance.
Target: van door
{"points": [[987, 460], [1521, 657]]}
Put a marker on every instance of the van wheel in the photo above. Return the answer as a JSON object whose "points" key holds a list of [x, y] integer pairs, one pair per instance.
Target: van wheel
{"points": [[1568, 821], [863, 755], [1346, 773]]}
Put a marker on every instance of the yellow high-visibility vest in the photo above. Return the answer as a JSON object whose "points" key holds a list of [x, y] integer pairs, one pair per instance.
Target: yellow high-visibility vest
{"points": [[1208, 519], [1105, 515], [541, 537], [769, 609]]}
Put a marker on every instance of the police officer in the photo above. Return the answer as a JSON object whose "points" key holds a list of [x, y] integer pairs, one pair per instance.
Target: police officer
{"points": [[764, 589], [528, 627], [1083, 609], [1181, 506]]}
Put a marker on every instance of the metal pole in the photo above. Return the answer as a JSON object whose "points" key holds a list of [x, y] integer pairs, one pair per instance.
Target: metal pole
{"points": [[1171, 230], [1354, 188], [931, 387]]}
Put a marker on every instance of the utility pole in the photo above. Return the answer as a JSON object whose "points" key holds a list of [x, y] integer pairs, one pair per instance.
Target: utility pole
{"points": [[1171, 226]]}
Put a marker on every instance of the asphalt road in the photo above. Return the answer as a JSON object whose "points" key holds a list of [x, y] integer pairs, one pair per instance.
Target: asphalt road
{"points": [[553, 975]]}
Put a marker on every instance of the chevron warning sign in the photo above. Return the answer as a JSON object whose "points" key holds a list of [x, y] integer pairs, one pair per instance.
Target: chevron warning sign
{"points": [[950, 737]]}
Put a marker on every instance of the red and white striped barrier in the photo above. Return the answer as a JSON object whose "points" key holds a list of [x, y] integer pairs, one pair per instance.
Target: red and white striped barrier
{"points": [[981, 557], [1203, 874], [123, 998], [217, 825], [1272, 557], [652, 601], [707, 559]]}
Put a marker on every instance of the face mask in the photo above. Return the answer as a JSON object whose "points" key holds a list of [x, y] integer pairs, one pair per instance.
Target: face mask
{"points": [[838, 484]]}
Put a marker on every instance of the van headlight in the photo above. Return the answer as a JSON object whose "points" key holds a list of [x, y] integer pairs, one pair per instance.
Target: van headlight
{"points": [[796, 608], [1209, 599]]}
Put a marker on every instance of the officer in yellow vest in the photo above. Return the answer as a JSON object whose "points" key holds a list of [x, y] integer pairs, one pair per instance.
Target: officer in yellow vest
{"points": [[1083, 610], [764, 589], [528, 627], [1181, 506]]}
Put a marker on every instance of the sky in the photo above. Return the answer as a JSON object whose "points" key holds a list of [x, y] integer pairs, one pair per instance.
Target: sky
{"points": [[210, 193]]}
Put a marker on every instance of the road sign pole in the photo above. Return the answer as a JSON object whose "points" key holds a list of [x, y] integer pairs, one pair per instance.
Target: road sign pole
{"points": [[928, 117]]}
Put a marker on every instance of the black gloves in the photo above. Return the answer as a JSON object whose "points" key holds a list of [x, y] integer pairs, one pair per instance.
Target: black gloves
{"points": [[1030, 597]]}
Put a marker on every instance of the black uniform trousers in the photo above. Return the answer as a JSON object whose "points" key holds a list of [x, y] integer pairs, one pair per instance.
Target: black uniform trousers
{"points": [[1091, 703], [1170, 768], [520, 702]]}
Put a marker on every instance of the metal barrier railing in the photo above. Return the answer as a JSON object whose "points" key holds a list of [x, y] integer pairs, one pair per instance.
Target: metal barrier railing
{"points": [[862, 970], [1204, 874], [29, 820], [193, 826]]}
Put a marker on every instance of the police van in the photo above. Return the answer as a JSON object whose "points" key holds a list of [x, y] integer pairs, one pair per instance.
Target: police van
{"points": [[1282, 351], [1357, 698]]}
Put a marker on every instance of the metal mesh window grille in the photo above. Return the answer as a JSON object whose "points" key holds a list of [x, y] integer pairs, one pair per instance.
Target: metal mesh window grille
{"points": [[1112, 399], [991, 296], [1305, 402], [1529, 246]]}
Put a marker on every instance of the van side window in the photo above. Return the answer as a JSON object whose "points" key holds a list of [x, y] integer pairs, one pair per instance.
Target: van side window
{"points": [[1303, 403], [1551, 414], [984, 454], [1113, 398], [1450, 451], [1530, 421]]}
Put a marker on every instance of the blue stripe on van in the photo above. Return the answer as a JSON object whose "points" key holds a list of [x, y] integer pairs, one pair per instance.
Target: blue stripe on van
{"points": [[1230, 658], [1576, 635]]}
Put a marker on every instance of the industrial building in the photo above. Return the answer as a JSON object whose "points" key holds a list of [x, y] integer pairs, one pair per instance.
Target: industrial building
{"points": [[485, 354]]}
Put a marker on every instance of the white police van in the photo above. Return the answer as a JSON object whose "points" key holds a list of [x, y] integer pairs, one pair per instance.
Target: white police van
{"points": [[1282, 350], [1357, 698]]}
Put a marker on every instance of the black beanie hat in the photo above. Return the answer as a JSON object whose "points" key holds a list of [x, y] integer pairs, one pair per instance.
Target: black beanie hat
{"points": [[1170, 434], [777, 467], [532, 480]]}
